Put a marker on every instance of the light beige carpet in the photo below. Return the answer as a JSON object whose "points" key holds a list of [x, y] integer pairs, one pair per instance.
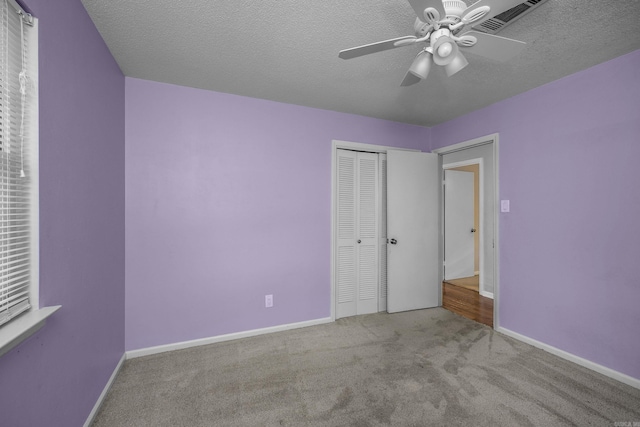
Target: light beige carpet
{"points": [[421, 368]]}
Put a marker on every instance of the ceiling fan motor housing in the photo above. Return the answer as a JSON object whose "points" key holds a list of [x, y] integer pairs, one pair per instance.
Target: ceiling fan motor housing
{"points": [[442, 32], [454, 9]]}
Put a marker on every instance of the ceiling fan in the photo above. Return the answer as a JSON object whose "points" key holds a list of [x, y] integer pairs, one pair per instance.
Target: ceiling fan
{"points": [[443, 26]]}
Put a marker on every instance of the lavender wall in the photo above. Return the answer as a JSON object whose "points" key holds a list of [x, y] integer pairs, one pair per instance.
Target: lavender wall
{"points": [[228, 199], [570, 246], [55, 377]]}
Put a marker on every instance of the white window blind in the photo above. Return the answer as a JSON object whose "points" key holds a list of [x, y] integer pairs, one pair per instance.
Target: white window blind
{"points": [[18, 155]]}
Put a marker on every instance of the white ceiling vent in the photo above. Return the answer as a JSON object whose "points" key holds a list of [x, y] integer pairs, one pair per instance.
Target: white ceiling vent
{"points": [[500, 21]]}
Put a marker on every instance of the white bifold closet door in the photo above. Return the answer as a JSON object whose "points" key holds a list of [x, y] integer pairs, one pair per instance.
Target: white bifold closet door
{"points": [[358, 233]]}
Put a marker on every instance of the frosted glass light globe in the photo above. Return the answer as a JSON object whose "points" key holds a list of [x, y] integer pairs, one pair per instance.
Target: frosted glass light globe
{"points": [[445, 49]]}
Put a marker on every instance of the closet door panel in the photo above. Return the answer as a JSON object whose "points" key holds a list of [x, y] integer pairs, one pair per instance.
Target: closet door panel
{"points": [[346, 257], [382, 249], [367, 232]]}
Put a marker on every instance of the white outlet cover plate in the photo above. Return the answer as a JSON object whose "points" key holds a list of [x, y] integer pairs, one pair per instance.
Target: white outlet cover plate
{"points": [[504, 206]]}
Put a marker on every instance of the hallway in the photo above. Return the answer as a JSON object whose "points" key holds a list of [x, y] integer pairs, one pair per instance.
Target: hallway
{"points": [[461, 296]]}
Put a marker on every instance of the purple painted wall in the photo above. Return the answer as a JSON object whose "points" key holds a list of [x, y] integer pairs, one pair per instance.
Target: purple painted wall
{"points": [[569, 154], [228, 199], [55, 377]]}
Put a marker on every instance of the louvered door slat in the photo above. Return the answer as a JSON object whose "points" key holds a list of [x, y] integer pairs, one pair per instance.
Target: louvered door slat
{"points": [[346, 197], [368, 278], [346, 275], [367, 197]]}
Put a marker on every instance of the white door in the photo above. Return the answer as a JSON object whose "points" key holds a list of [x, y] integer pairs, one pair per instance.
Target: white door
{"points": [[458, 224], [413, 266], [357, 233]]}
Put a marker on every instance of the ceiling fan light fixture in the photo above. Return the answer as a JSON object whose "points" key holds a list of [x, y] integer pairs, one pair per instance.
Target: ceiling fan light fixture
{"points": [[458, 63], [444, 50], [443, 32], [421, 65]]}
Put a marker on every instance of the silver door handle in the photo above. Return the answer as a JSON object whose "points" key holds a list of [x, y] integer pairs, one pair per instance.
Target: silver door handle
{"points": [[393, 241], [359, 241]]}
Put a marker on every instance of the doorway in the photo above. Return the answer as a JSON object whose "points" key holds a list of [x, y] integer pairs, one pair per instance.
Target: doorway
{"points": [[469, 204], [463, 231]]}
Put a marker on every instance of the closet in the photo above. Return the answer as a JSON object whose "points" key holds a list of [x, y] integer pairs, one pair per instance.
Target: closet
{"points": [[361, 233]]}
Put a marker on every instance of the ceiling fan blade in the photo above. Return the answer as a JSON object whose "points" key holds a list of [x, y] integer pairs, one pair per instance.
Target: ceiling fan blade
{"points": [[366, 49], [497, 7], [406, 42], [493, 47], [410, 79], [420, 5]]}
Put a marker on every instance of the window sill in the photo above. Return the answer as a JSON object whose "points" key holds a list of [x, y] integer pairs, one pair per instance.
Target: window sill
{"points": [[22, 327]]}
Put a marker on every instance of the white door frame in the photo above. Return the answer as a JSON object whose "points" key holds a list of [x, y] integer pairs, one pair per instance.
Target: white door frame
{"points": [[476, 142], [355, 146], [480, 164]]}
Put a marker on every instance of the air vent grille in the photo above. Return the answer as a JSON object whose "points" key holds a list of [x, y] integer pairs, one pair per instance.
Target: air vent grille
{"points": [[498, 22], [492, 25], [513, 12]]}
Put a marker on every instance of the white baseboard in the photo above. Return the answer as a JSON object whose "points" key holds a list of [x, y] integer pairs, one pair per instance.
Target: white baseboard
{"points": [[619, 376], [96, 407], [486, 294], [131, 354]]}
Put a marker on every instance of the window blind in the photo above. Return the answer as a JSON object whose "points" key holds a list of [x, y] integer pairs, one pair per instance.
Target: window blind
{"points": [[18, 74]]}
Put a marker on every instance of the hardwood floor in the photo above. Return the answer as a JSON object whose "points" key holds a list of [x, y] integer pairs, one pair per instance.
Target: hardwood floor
{"points": [[472, 282], [467, 303]]}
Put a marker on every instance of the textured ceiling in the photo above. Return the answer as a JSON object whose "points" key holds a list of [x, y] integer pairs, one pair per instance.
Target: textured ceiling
{"points": [[287, 51]]}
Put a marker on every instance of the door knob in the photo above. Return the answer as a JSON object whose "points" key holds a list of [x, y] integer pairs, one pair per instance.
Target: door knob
{"points": [[473, 230], [394, 241], [359, 241]]}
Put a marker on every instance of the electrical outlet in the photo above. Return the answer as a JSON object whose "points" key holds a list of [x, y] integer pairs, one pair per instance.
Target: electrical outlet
{"points": [[268, 301]]}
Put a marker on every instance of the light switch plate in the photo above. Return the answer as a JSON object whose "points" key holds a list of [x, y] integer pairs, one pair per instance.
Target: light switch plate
{"points": [[504, 206]]}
